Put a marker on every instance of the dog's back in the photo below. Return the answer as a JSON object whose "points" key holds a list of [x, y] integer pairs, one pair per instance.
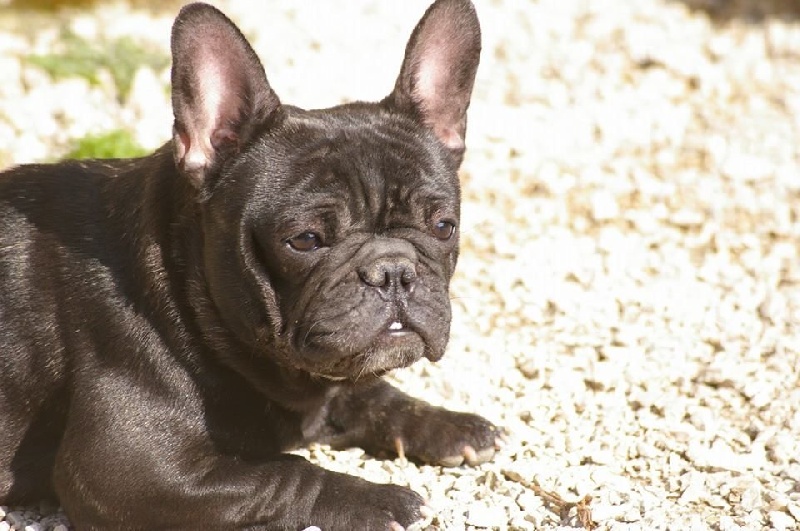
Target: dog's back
{"points": [[59, 248]]}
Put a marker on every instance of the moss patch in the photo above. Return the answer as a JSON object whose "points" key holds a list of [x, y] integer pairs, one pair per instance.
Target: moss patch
{"points": [[117, 144], [80, 58]]}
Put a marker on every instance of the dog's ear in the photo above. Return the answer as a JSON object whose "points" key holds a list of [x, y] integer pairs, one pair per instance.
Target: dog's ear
{"points": [[220, 94], [438, 72]]}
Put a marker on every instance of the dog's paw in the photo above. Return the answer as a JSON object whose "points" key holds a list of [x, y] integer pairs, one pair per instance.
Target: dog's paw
{"points": [[352, 503], [449, 438], [388, 507]]}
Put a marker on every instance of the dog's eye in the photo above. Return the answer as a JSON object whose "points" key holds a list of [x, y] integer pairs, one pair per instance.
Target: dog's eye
{"points": [[307, 241], [444, 229]]}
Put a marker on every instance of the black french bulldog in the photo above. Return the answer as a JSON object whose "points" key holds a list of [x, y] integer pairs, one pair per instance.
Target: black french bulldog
{"points": [[170, 325]]}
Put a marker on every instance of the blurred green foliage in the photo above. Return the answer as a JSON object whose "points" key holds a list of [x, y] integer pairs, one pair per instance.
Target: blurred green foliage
{"points": [[80, 58], [118, 144]]}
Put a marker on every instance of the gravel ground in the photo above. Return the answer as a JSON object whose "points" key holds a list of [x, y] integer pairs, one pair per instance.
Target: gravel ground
{"points": [[628, 300]]}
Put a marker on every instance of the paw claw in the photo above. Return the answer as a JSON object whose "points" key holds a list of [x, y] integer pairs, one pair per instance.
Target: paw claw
{"points": [[470, 455], [394, 526], [400, 449], [474, 458]]}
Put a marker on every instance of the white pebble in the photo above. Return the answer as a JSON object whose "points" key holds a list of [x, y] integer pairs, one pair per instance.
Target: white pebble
{"points": [[781, 521], [483, 515], [16, 519], [604, 206]]}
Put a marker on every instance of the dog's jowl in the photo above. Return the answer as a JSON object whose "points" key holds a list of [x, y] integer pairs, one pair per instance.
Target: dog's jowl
{"points": [[171, 325]]}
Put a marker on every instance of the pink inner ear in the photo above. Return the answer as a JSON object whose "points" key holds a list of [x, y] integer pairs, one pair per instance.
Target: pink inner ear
{"points": [[217, 107], [220, 93], [429, 76], [222, 137], [433, 79], [450, 138], [210, 79]]}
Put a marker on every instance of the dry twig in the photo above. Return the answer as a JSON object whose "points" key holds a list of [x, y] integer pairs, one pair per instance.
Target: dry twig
{"points": [[555, 502]]}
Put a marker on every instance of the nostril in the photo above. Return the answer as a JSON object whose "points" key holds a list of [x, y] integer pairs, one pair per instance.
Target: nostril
{"points": [[409, 276], [374, 276], [389, 274]]}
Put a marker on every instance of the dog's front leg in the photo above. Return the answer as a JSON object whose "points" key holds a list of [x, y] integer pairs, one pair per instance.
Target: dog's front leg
{"points": [[145, 470], [382, 419]]}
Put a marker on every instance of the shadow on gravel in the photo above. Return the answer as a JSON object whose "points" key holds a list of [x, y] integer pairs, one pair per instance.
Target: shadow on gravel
{"points": [[750, 11]]}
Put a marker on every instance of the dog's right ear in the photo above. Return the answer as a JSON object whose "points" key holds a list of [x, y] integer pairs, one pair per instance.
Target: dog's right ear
{"points": [[220, 94], [438, 72]]}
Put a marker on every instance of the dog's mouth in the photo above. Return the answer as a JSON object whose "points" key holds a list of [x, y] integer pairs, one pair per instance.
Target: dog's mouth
{"points": [[350, 332], [395, 344], [329, 377], [398, 330]]}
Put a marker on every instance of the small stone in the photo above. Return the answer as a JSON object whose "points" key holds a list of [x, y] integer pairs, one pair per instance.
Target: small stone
{"points": [[781, 521], [631, 515], [603, 457], [528, 501], [726, 523], [522, 523], [794, 510], [604, 206], [717, 501], [687, 219], [648, 451], [528, 367], [483, 515], [747, 168], [605, 512], [751, 497], [696, 489], [719, 456], [16, 519]]}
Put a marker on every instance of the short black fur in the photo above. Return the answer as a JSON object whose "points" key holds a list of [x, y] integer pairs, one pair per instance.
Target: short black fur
{"points": [[171, 325]]}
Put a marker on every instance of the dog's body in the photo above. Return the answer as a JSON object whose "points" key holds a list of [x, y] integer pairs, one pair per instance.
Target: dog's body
{"points": [[170, 325]]}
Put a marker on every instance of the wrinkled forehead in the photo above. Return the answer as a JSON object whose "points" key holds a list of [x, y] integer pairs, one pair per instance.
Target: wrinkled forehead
{"points": [[378, 160], [370, 140]]}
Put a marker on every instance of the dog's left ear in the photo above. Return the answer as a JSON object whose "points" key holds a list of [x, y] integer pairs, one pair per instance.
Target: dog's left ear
{"points": [[220, 94], [438, 72]]}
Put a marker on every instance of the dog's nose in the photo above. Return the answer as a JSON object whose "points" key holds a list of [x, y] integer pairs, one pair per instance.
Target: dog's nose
{"points": [[389, 273]]}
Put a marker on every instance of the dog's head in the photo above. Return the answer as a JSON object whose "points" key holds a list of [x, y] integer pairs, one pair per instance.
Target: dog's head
{"points": [[330, 236]]}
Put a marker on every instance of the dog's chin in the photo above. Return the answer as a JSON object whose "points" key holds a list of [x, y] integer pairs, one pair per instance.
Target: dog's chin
{"points": [[388, 351]]}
